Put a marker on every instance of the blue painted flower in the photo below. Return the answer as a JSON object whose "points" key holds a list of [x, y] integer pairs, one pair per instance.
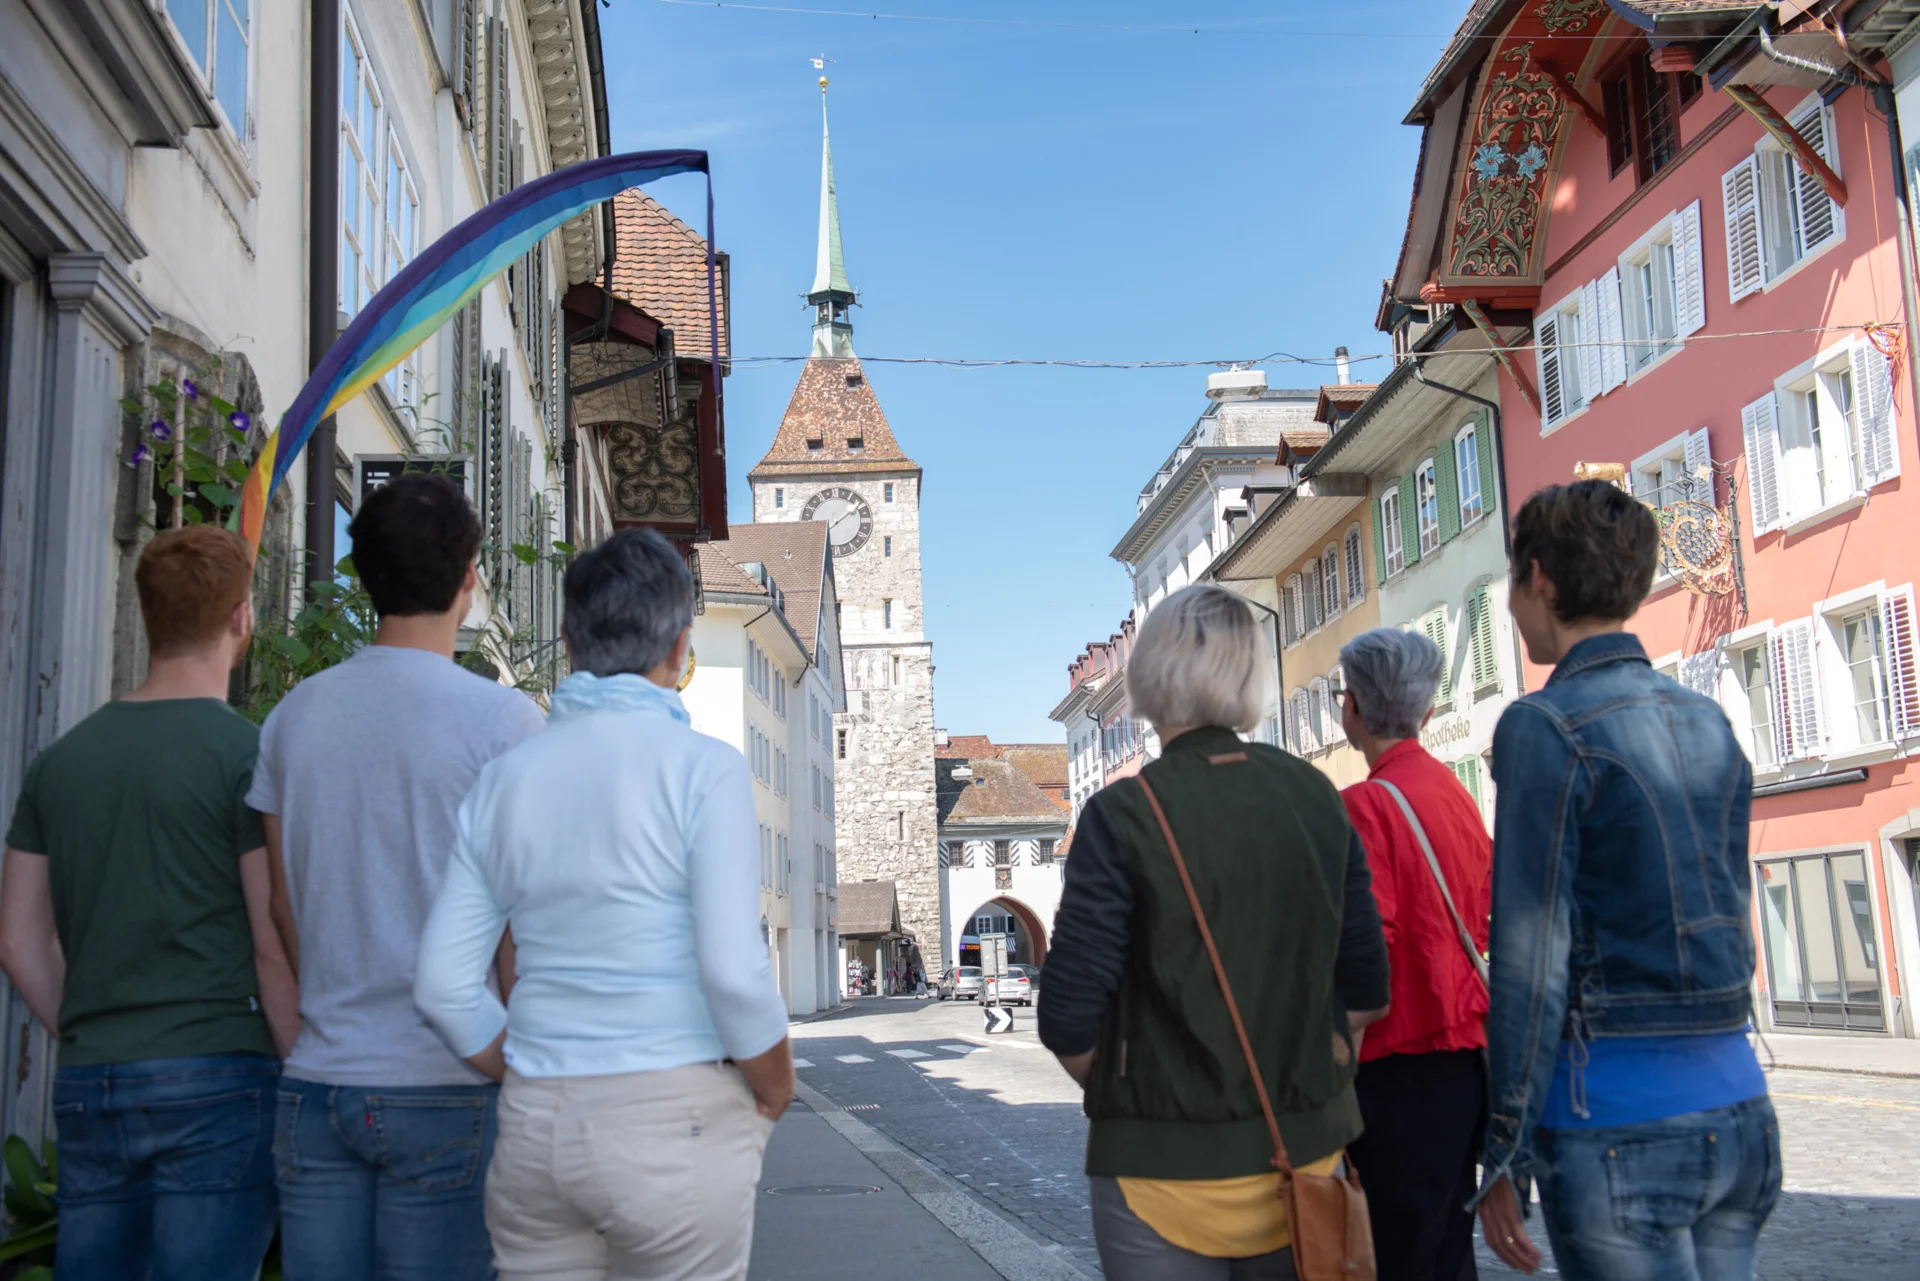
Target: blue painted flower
{"points": [[1488, 160], [160, 431], [140, 455], [1531, 161], [240, 420], [188, 390]]}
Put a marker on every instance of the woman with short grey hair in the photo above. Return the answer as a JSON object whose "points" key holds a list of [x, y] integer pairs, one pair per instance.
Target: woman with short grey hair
{"points": [[1422, 1085], [1179, 1155], [645, 1047]]}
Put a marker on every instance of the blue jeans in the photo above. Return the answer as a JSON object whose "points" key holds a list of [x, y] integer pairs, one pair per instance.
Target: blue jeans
{"points": [[166, 1168], [384, 1184], [1681, 1199]]}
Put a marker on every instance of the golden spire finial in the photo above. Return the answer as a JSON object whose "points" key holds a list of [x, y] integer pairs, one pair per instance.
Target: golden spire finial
{"points": [[823, 84]]}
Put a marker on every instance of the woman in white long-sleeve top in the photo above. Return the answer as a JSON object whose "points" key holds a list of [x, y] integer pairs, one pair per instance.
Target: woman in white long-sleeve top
{"points": [[645, 1052]]}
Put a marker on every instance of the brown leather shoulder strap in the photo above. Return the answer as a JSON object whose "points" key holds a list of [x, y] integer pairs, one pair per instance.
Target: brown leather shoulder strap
{"points": [[1280, 1161]]}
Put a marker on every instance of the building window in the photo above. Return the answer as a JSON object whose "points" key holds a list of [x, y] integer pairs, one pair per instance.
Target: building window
{"points": [[218, 38], [403, 206], [1356, 566], [1466, 466], [886, 545], [1426, 491], [1752, 709], [779, 498], [1434, 628], [1642, 108], [1557, 339], [1647, 280], [886, 492], [1679, 471], [815, 444], [840, 745], [855, 444], [1821, 439], [896, 671], [1389, 533], [899, 825], [1044, 851], [1330, 582], [1290, 610], [360, 171], [1777, 212], [886, 614], [1863, 650], [1003, 853]]}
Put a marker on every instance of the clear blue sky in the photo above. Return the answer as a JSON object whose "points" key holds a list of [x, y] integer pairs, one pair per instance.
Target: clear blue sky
{"points": [[1036, 192]]}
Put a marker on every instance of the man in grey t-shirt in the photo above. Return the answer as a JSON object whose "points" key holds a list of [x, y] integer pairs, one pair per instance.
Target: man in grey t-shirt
{"points": [[383, 1135]]}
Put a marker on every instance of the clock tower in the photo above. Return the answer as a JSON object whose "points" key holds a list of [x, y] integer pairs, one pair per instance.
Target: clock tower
{"points": [[835, 460]]}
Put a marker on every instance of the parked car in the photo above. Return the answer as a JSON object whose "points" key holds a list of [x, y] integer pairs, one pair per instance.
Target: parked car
{"points": [[960, 983], [1015, 987], [1032, 972]]}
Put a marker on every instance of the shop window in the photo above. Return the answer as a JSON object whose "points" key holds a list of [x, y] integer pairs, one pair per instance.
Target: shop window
{"points": [[1822, 953]]}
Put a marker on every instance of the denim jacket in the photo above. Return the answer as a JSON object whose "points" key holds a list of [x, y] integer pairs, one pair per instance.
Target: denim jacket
{"points": [[1620, 879]]}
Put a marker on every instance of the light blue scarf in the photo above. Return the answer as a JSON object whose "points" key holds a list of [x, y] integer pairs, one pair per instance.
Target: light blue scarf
{"points": [[584, 692]]}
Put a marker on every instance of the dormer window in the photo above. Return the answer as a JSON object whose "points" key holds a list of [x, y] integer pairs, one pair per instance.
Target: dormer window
{"points": [[856, 443], [856, 380], [815, 445]]}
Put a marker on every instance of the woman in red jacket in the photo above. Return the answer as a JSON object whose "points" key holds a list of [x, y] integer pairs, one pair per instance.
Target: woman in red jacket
{"points": [[1422, 1083]]}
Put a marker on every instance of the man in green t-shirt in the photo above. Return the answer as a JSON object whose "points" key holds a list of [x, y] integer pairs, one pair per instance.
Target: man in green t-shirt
{"points": [[134, 922]]}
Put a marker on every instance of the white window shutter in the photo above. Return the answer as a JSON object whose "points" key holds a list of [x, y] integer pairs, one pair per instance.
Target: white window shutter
{"points": [[1797, 694], [1761, 423], [1701, 672], [1586, 333], [1689, 273], [1546, 349], [1873, 407], [1613, 332], [1746, 260], [1699, 455], [1903, 685], [1820, 217]]}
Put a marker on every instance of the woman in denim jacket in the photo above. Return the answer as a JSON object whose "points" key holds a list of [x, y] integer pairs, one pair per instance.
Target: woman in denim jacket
{"points": [[1622, 1073]]}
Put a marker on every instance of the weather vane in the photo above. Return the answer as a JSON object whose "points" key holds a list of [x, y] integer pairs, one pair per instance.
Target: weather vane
{"points": [[820, 64]]}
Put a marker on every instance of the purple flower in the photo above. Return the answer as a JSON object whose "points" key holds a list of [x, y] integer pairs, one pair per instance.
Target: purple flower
{"points": [[240, 420], [160, 430], [140, 455], [188, 390]]}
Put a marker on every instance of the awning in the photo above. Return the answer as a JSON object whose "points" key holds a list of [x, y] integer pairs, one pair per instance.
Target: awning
{"points": [[1291, 527]]}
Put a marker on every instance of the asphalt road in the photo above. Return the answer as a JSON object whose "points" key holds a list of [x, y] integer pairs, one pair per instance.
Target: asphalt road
{"points": [[997, 1113]]}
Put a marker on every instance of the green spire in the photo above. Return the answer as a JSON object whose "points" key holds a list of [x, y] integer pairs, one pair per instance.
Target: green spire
{"points": [[831, 294]]}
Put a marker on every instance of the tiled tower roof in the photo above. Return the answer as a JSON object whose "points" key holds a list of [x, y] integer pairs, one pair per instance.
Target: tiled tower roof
{"points": [[834, 423]]}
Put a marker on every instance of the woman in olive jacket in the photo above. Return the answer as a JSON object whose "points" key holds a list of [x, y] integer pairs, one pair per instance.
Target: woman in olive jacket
{"points": [[1179, 1157]]}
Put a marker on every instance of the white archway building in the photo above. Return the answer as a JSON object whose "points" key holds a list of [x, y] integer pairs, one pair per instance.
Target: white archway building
{"points": [[1002, 854]]}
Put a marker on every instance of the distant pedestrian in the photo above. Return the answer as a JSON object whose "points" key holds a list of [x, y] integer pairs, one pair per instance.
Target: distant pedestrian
{"points": [[1180, 1156], [645, 1053], [1622, 945], [134, 923], [1423, 1076], [384, 1133]]}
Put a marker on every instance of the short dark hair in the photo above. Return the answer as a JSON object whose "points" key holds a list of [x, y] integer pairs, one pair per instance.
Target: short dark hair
{"points": [[189, 581], [1597, 544], [628, 600], [413, 540]]}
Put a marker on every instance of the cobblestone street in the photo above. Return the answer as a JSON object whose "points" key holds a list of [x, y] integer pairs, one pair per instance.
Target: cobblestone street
{"points": [[997, 1114]]}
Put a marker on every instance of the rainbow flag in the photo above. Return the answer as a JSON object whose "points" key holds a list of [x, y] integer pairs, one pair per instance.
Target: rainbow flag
{"points": [[437, 283]]}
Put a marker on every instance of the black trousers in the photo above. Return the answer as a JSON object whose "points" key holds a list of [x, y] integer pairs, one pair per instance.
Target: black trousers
{"points": [[1425, 1116]]}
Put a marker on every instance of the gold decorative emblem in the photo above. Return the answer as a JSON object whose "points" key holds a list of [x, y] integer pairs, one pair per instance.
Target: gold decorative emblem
{"points": [[686, 677]]}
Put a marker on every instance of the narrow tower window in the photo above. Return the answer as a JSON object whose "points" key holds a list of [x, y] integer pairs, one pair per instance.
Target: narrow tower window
{"points": [[779, 498], [886, 545], [888, 491]]}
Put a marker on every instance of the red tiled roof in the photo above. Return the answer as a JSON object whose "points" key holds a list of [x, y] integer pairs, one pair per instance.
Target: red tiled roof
{"points": [[660, 266], [720, 573], [966, 747], [1044, 763], [834, 407], [1000, 791], [795, 553]]}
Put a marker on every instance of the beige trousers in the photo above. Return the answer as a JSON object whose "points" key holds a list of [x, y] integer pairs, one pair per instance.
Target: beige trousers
{"points": [[617, 1178]]}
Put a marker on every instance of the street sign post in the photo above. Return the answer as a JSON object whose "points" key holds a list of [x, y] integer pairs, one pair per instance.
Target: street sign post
{"points": [[998, 1018]]}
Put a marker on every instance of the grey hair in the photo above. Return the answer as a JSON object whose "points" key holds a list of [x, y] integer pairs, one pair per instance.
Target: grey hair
{"points": [[628, 600], [1394, 675], [1199, 660]]}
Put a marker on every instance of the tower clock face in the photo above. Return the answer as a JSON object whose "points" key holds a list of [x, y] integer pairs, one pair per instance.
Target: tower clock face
{"points": [[849, 519]]}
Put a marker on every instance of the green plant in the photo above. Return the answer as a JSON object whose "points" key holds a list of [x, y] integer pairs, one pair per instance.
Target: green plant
{"points": [[197, 443], [32, 1221]]}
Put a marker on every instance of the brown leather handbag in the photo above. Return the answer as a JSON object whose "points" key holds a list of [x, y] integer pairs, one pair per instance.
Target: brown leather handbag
{"points": [[1326, 1214]]}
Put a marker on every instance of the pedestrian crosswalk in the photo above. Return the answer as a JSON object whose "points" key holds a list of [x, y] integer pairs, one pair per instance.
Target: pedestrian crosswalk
{"points": [[853, 1058], [908, 1054]]}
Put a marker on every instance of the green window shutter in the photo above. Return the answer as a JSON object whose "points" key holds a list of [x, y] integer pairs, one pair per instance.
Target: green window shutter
{"points": [[1379, 543], [1485, 670], [1489, 475], [1435, 626], [1446, 486], [1469, 771], [1409, 519]]}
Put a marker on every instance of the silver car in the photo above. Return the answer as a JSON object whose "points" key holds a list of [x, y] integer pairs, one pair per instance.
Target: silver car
{"points": [[960, 983]]}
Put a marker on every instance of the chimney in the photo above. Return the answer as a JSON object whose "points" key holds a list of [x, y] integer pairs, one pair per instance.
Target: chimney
{"points": [[1343, 372]]}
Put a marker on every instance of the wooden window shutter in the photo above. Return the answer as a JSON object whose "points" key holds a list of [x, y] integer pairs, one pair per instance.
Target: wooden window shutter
{"points": [[460, 374], [1486, 666], [1873, 407], [496, 496], [1699, 455], [1446, 487], [1435, 627], [1746, 258], [1820, 218], [1356, 566], [1547, 353], [1409, 520], [1903, 685], [1310, 586], [1689, 278], [466, 59], [1612, 333], [1701, 673], [1290, 609], [1468, 771], [1760, 422], [1796, 692], [1586, 334], [499, 108]]}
